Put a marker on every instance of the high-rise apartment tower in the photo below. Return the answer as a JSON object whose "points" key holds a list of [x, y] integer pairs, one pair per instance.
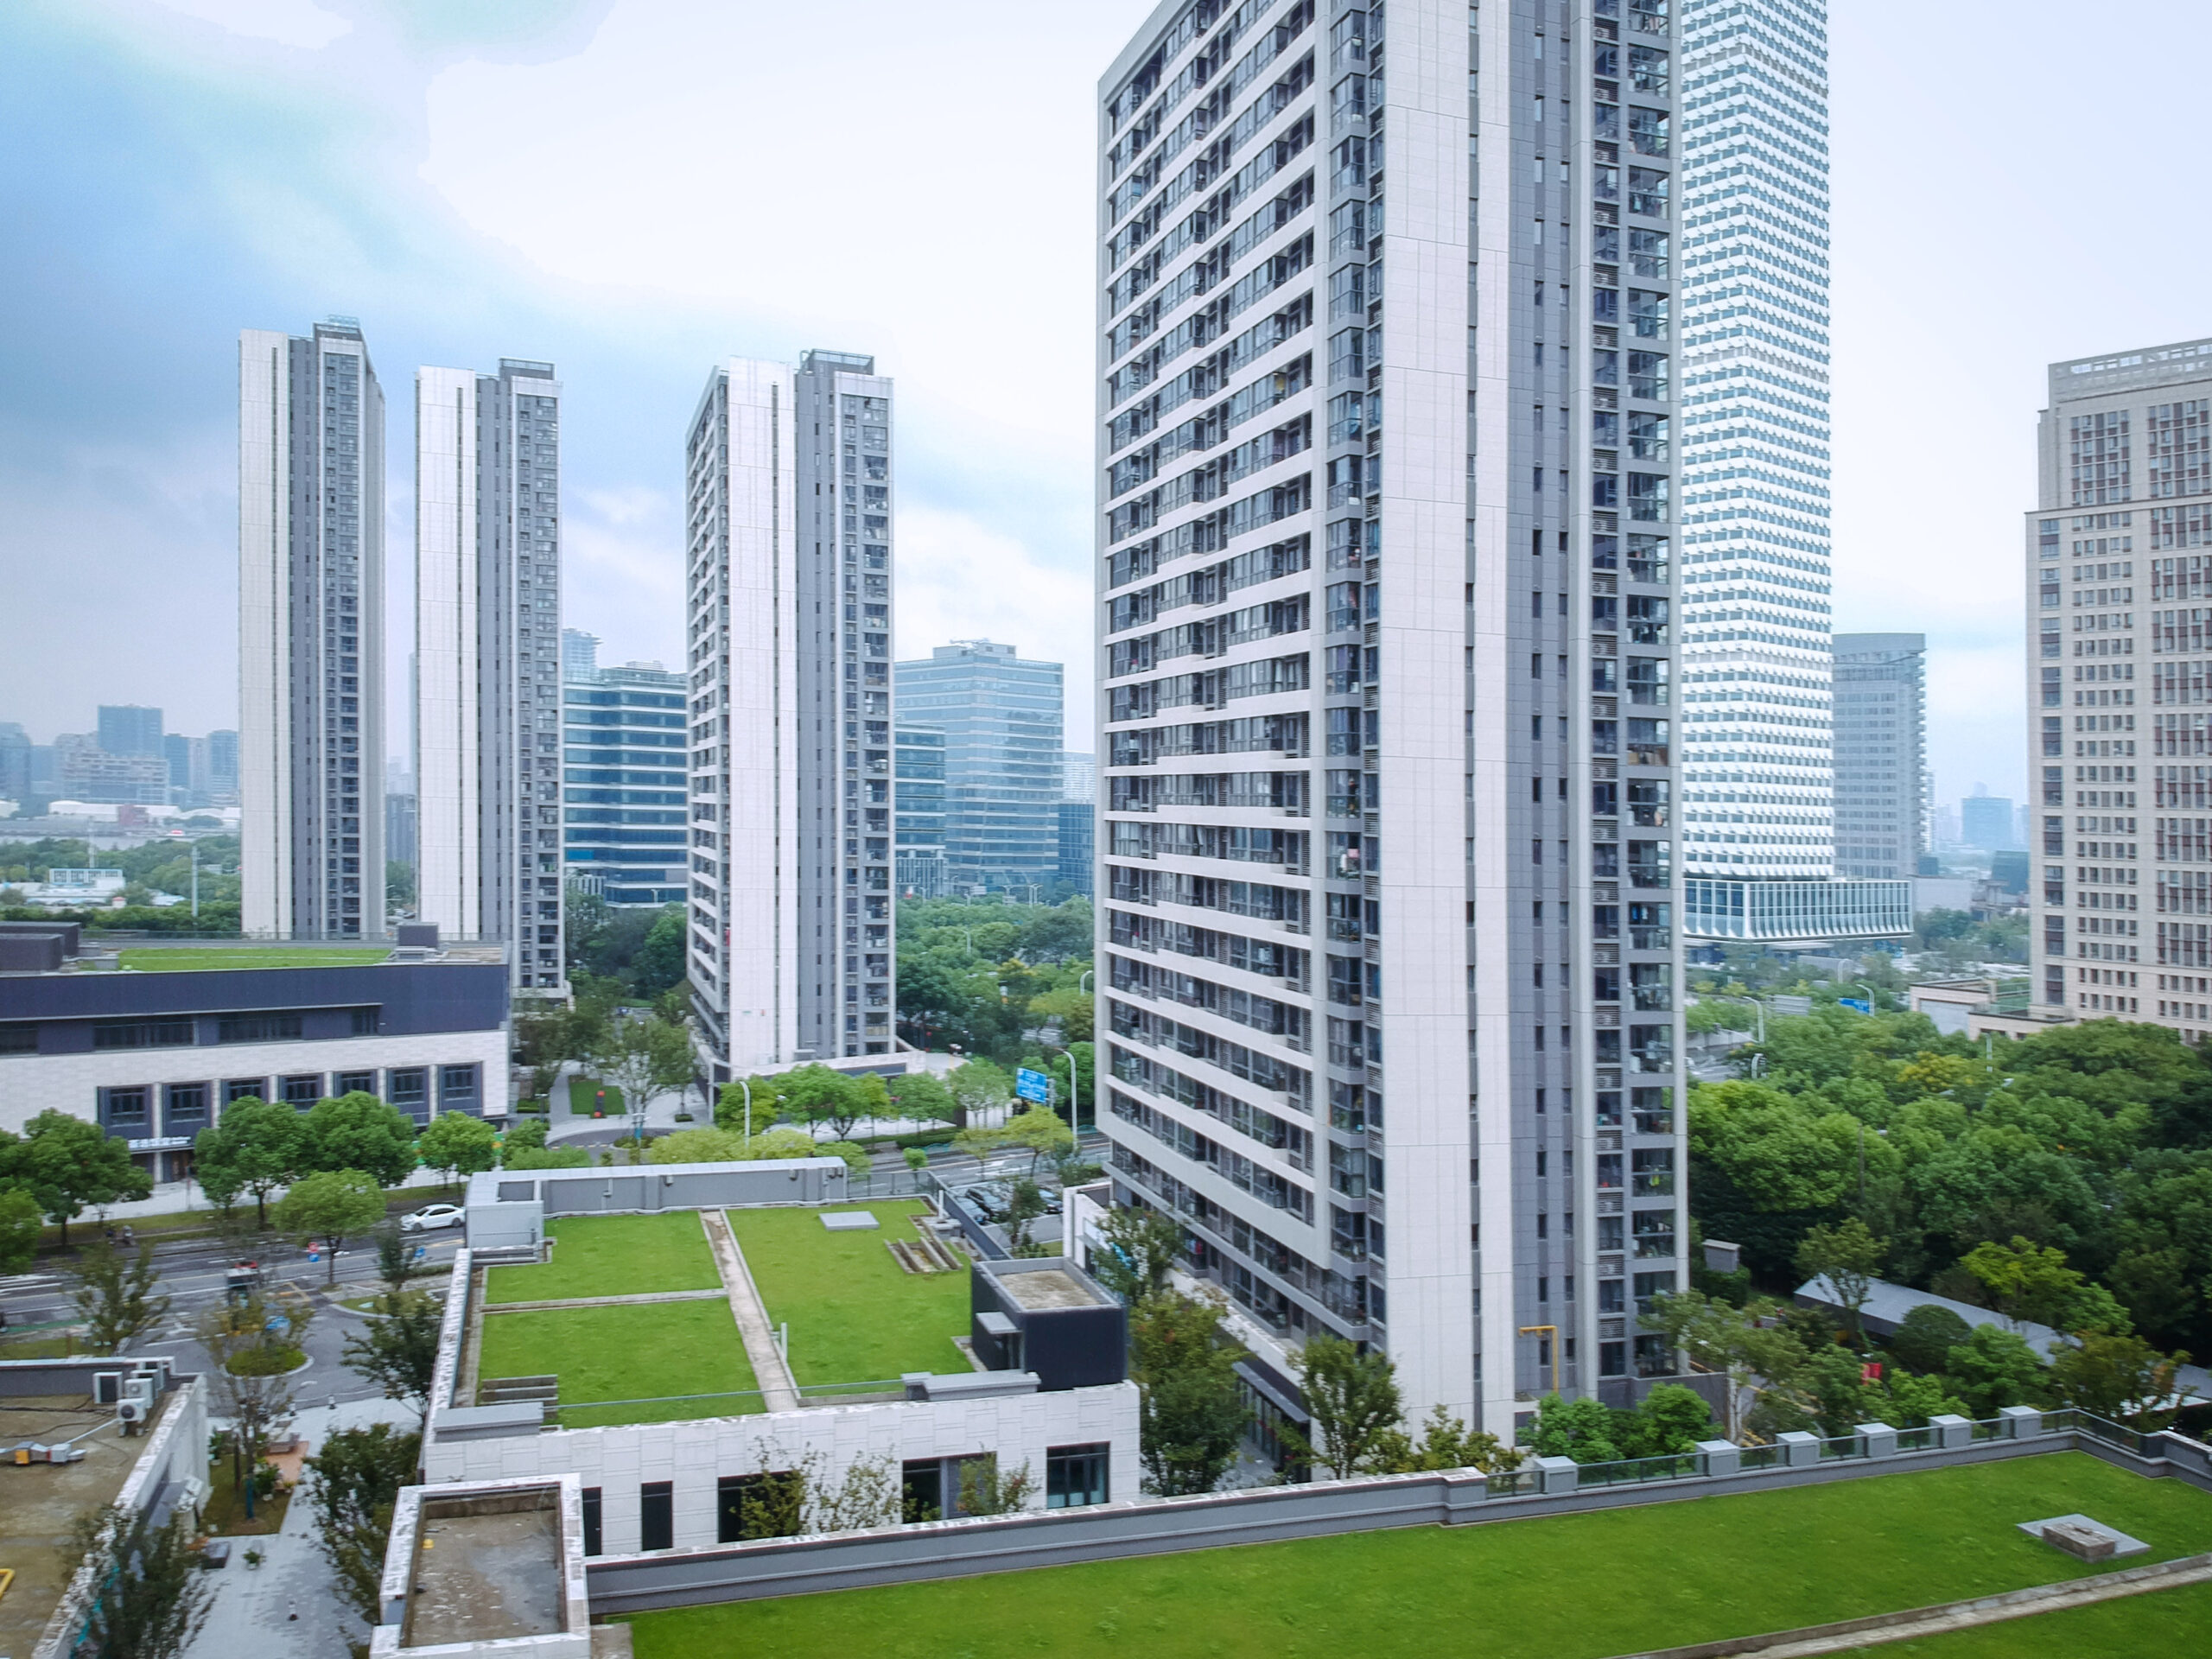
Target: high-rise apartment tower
{"points": [[2120, 747], [788, 486], [1387, 590], [487, 661], [310, 747]]}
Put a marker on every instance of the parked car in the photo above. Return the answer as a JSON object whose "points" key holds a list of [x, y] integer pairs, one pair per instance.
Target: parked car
{"points": [[432, 1216], [987, 1199]]}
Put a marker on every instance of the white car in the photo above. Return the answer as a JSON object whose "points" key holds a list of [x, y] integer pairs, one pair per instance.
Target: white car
{"points": [[431, 1217]]}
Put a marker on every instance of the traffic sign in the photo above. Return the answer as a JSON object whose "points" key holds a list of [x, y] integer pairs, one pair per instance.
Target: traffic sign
{"points": [[1859, 1004], [1032, 1085]]}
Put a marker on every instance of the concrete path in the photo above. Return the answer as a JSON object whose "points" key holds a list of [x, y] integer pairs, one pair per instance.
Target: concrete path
{"points": [[777, 1391], [608, 1301], [1850, 1635]]}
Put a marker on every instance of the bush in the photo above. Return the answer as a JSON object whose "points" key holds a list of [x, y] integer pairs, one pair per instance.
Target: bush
{"points": [[548, 1158], [1926, 1336], [274, 1360]]}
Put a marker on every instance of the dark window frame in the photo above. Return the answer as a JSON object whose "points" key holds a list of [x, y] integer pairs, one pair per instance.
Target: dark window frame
{"points": [[657, 1515], [1077, 1476]]}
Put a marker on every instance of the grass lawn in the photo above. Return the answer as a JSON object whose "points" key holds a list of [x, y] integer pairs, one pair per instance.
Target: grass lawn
{"points": [[2165, 1622], [855, 1317], [643, 1350], [154, 959], [1575, 1586], [613, 1256], [584, 1097]]}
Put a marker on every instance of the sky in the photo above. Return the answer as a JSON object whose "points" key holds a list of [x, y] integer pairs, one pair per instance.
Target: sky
{"points": [[634, 189]]}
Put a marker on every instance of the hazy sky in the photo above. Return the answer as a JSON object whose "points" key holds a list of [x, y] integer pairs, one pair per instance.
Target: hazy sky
{"points": [[634, 189]]}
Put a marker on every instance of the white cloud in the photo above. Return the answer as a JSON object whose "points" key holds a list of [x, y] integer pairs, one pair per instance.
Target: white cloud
{"points": [[288, 23], [959, 579]]}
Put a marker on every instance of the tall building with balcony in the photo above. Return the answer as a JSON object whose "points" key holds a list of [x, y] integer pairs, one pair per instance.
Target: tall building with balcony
{"points": [[1880, 700], [2120, 749], [624, 778], [1002, 715], [487, 661], [310, 738], [788, 485], [1388, 870]]}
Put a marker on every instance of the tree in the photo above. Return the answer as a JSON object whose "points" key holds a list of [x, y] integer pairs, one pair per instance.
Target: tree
{"points": [[547, 1041], [1446, 1442], [529, 1134], [726, 1146], [1141, 1248], [1025, 1204], [2115, 1376], [1581, 1429], [1040, 1132], [395, 1255], [252, 1399], [65, 1164], [2027, 1282], [1848, 1256], [332, 1204], [20, 1225], [919, 1098], [459, 1144], [1926, 1336], [1995, 1368], [1191, 1416], [1352, 1398], [819, 1095], [1757, 1358], [398, 1350], [978, 1086], [115, 1295], [549, 1158], [357, 1477], [148, 1596], [659, 963], [359, 1132], [646, 1055], [257, 1146]]}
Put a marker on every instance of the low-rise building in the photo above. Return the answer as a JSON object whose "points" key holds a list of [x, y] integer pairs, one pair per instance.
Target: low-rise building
{"points": [[155, 1055]]}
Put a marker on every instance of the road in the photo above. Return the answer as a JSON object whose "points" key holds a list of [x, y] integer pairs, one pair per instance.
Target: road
{"points": [[191, 1274]]}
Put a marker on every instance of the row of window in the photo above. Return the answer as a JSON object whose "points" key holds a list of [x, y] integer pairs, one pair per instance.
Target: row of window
{"points": [[187, 1031], [187, 1107]]}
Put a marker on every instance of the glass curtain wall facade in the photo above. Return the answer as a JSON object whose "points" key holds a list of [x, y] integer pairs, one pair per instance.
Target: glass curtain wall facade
{"points": [[2119, 595], [919, 826], [623, 767], [1388, 885], [1002, 716], [789, 506], [1881, 753], [487, 661], [311, 744]]}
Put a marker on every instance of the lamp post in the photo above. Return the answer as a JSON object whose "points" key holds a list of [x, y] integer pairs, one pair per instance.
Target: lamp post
{"points": [[747, 1088], [1074, 1081]]}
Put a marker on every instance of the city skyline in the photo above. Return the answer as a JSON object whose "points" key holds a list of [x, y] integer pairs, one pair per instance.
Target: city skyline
{"points": [[1911, 556]]}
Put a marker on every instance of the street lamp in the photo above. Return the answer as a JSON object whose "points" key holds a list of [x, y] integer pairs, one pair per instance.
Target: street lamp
{"points": [[747, 1088]]}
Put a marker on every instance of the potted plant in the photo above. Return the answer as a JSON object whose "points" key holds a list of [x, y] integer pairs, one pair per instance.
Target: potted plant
{"points": [[254, 1557]]}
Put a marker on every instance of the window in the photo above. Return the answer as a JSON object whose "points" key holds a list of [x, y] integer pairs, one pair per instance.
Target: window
{"points": [[408, 1088], [258, 1027], [19, 1038], [124, 1109], [353, 1083], [143, 1033], [593, 1544], [366, 1021], [238, 1089], [758, 1506], [1075, 1475], [657, 1515], [1647, 191], [456, 1088], [184, 1108], [303, 1091]]}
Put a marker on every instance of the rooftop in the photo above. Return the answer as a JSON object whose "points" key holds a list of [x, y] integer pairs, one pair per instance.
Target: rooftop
{"points": [[40, 1502], [494, 1561]]}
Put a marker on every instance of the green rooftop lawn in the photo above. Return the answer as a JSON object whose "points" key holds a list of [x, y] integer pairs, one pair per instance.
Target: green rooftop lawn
{"points": [[1576, 1586], [855, 1315], [635, 1351], [613, 1256], [154, 959]]}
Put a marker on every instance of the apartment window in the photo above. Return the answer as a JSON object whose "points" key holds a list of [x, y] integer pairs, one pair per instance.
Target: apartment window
{"points": [[184, 1108], [1075, 1475], [657, 1515], [143, 1033], [353, 1083], [592, 1545], [457, 1088], [758, 1506], [257, 1029], [366, 1021], [302, 1091]]}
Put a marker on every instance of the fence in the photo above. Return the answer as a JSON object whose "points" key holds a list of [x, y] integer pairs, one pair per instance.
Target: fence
{"points": [[962, 1547]]}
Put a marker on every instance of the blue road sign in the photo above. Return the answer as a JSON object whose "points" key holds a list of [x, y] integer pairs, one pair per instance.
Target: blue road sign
{"points": [[1032, 1085], [1859, 1004]]}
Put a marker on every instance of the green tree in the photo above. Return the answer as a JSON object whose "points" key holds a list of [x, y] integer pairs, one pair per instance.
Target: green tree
{"points": [[359, 1132], [398, 1349], [549, 1158], [67, 1164], [920, 1098], [2028, 1283], [530, 1133], [1926, 1336], [1141, 1248], [1446, 1442], [1582, 1429], [1849, 1257], [332, 1204], [1758, 1357], [547, 1040], [726, 1146], [822, 1096], [399, 884], [1025, 1204], [646, 1056], [459, 1144], [151, 1598], [250, 1400], [935, 1001], [660, 965], [2119, 1377], [1351, 1397], [355, 1482], [1191, 1416], [1995, 1368], [979, 1086], [1668, 1422], [1040, 1132], [114, 1295], [21, 1224], [257, 1146], [395, 1255]]}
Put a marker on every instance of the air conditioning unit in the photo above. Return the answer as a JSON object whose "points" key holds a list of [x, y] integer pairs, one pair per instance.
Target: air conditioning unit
{"points": [[131, 1411], [107, 1388]]}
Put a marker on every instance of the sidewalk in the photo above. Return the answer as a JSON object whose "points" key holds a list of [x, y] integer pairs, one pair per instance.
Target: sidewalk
{"points": [[183, 1198], [254, 1607]]}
